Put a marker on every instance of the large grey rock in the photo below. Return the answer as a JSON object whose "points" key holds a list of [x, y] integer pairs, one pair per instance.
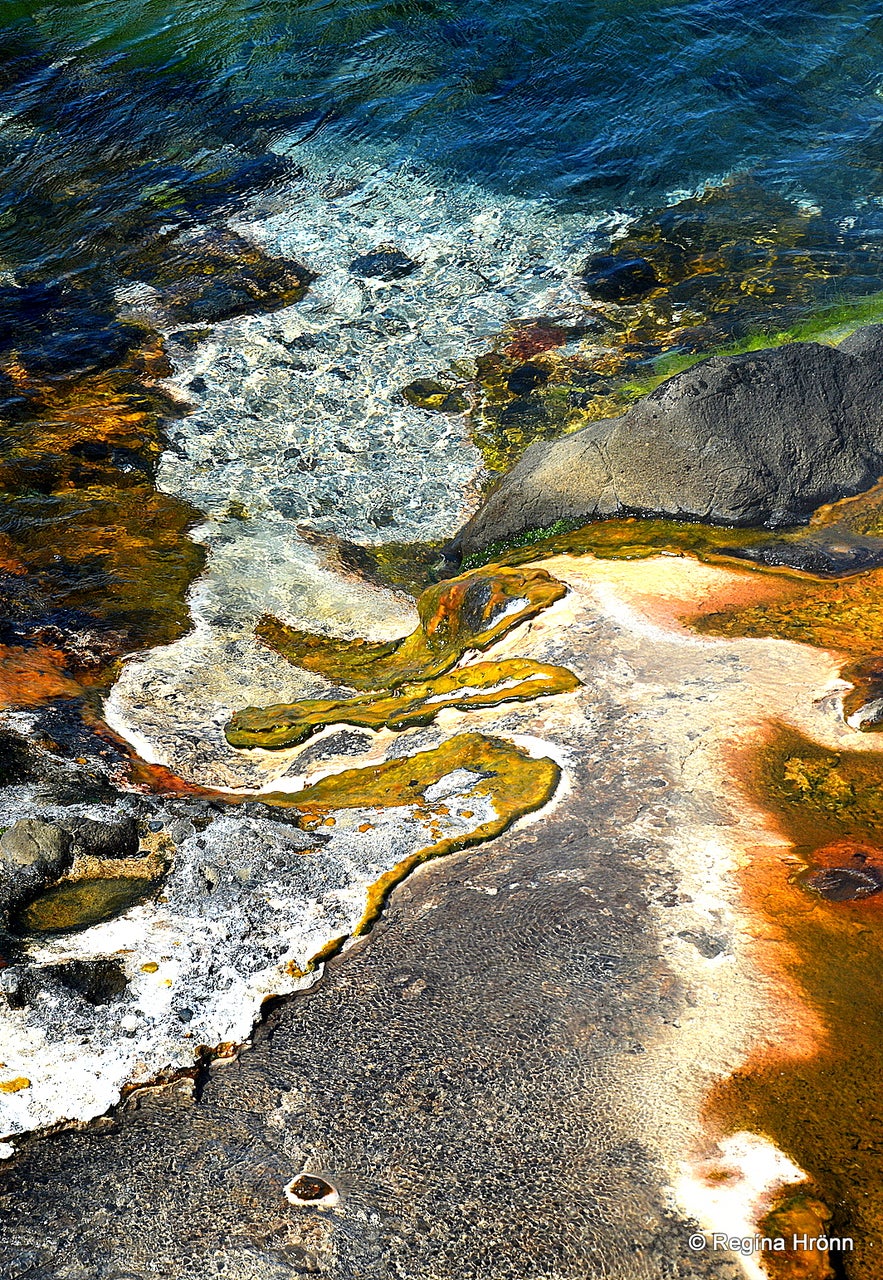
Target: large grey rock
{"points": [[32, 841], [757, 439], [33, 852]]}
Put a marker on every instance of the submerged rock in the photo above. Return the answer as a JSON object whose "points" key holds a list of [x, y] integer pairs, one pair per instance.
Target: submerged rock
{"points": [[216, 274], [823, 557], [615, 277], [426, 393], [385, 263], [763, 438]]}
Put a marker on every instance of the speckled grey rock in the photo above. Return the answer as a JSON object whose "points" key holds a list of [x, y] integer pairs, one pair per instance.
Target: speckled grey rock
{"points": [[33, 853], [757, 439], [31, 841]]}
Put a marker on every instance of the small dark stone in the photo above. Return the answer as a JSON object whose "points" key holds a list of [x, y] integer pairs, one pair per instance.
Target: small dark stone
{"points": [[615, 277], [385, 263], [13, 759], [522, 413], [189, 338], [846, 884], [705, 943], [382, 517], [309, 1188], [97, 981], [526, 378]]}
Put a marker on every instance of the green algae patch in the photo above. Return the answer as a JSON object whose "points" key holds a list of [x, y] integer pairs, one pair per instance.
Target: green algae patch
{"points": [[626, 538], [819, 795], [77, 904], [515, 783], [484, 684], [468, 612]]}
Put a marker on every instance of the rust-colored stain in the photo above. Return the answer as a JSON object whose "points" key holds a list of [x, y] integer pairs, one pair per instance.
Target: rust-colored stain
{"points": [[797, 1213], [34, 676], [824, 1108]]}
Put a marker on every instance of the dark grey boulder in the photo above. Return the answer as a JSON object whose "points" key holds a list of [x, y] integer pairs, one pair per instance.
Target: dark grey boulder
{"points": [[761, 439]]}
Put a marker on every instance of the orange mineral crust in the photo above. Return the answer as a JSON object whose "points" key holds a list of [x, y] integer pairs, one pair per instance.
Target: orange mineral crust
{"points": [[821, 905]]}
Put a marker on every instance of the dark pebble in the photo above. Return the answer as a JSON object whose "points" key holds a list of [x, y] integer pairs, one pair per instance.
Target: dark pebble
{"points": [[383, 264]]}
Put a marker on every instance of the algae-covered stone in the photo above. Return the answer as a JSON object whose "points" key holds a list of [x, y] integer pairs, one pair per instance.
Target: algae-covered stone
{"points": [[426, 393], [467, 612], [482, 684]]}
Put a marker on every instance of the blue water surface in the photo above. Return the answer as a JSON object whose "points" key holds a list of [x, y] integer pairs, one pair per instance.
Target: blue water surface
{"points": [[594, 102]]}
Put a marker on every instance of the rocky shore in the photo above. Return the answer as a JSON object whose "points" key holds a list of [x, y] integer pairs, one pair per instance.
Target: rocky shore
{"points": [[558, 790]]}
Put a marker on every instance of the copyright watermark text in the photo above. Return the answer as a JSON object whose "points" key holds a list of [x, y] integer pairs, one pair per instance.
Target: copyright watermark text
{"points": [[747, 1245]]}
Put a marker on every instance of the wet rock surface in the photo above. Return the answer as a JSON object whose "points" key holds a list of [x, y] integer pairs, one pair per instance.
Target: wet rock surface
{"points": [[461, 1080], [471, 1081], [207, 907], [763, 438]]}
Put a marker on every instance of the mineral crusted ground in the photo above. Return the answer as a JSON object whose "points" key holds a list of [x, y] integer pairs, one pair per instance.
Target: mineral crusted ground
{"points": [[508, 1079]]}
